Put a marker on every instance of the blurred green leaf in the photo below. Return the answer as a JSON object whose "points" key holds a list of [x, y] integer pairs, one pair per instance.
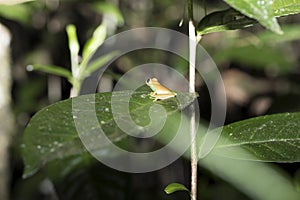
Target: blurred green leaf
{"points": [[13, 2], [93, 43], [52, 69], [253, 178], [270, 138], [258, 9], [74, 49], [291, 32], [51, 134], [174, 187], [28, 95], [109, 8], [297, 180], [20, 13], [259, 57], [98, 63]]}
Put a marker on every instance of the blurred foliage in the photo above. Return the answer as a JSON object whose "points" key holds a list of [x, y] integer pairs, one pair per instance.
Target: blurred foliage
{"points": [[261, 75]]}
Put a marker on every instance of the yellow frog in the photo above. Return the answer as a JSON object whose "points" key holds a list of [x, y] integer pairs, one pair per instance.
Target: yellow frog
{"points": [[160, 92]]}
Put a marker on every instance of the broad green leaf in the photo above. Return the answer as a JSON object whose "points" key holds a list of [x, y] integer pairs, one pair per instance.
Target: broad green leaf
{"points": [[270, 138], [286, 7], [246, 14], [265, 138], [51, 134], [174, 187], [261, 10], [52, 69]]}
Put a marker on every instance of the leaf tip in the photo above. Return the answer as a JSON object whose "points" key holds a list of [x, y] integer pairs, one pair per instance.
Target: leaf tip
{"points": [[174, 187]]}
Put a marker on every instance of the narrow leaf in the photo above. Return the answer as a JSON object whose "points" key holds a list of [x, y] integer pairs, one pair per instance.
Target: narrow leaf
{"points": [[94, 42], [111, 9], [52, 69], [229, 19], [74, 49], [174, 187], [271, 138], [98, 63], [13, 2]]}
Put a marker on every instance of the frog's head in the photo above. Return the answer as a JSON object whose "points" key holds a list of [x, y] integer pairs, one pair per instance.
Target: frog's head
{"points": [[151, 81]]}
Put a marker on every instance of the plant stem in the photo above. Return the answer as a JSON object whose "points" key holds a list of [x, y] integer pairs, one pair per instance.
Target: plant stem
{"points": [[194, 159], [192, 63], [7, 123], [75, 90], [190, 9]]}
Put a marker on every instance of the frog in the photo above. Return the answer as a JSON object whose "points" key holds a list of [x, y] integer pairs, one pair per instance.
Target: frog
{"points": [[160, 92]]}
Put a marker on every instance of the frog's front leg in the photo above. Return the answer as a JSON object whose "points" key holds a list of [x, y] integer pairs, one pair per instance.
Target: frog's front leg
{"points": [[153, 94]]}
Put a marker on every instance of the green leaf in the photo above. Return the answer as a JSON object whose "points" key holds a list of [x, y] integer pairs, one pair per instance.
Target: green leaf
{"points": [[98, 63], [270, 138], [174, 187], [74, 49], [259, 57], [291, 32], [246, 14], [260, 10], [297, 180], [94, 43], [229, 19], [253, 178], [51, 69], [88, 51], [264, 51], [286, 7], [13, 2], [20, 13], [111, 9], [51, 134]]}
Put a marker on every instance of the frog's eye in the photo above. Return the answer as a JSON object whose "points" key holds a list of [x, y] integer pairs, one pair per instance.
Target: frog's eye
{"points": [[148, 80]]}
